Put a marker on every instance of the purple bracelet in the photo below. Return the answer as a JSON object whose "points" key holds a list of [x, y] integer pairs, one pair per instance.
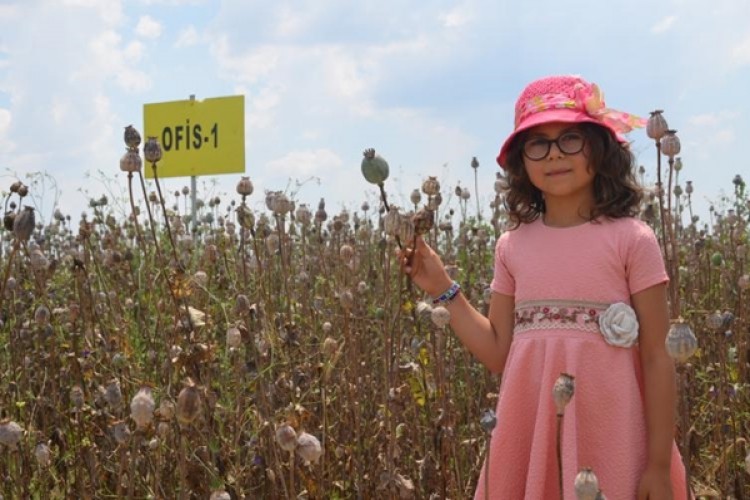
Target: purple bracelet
{"points": [[447, 295]]}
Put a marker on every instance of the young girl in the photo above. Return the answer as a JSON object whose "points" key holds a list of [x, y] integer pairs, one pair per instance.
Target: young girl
{"points": [[579, 287]]}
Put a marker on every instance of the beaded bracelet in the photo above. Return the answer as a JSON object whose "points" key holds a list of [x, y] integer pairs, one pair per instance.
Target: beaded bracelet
{"points": [[447, 295]]}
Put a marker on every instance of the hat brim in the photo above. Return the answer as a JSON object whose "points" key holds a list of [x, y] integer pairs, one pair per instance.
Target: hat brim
{"points": [[564, 115]]}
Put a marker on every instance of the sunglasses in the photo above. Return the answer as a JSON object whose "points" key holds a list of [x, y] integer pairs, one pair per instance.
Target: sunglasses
{"points": [[570, 143]]}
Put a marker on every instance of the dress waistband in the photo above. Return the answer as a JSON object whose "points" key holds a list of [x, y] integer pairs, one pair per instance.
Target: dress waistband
{"points": [[558, 314], [618, 322]]}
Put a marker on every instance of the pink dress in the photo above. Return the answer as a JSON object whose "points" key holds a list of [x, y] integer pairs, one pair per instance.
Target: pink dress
{"points": [[562, 280]]}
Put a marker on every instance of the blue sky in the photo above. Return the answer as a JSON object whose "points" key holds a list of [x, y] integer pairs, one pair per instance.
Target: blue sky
{"points": [[429, 84]]}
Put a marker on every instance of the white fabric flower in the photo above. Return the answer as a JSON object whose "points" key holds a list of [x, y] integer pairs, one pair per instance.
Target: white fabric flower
{"points": [[619, 325]]}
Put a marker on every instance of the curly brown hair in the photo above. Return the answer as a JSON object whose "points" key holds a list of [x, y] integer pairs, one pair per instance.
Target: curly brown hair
{"points": [[616, 191]]}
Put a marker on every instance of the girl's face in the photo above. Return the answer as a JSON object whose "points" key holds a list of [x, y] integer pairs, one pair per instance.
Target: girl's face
{"points": [[564, 172]]}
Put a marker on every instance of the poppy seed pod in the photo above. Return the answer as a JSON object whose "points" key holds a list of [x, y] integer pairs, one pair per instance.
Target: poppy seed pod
{"points": [[113, 394], [563, 391], [474, 163], [77, 397], [424, 221], [152, 151], [245, 186], [656, 126], [714, 321], [166, 409], [681, 342], [188, 405], [43, 455], [131, 137], [24, 224], [346, 252], [374, 167], [488, 420], [415, 197], [142, 408], [8, 220], [303, 215], [586, 485], [131, 161], [670, 144], [286, 437], [10, 433], [440, 316], [233, 337], [308, 447], [431, 186]]}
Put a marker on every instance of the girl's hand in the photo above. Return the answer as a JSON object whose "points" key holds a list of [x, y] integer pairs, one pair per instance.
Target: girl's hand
{"points": [[655, 484], [425, 268]]}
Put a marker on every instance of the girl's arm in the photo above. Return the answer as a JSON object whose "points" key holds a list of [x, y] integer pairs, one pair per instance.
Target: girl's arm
{"points": [[658, 374], [486, 337]]}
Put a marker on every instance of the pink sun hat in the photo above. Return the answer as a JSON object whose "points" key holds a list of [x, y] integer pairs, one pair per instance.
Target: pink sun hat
{"points": [[566, 99]]}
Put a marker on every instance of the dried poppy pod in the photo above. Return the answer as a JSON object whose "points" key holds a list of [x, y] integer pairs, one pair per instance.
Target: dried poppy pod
{"points": [[286, 437], [374, 167], [670, 144], [563, 391], [656, 126], [245, 186], [714, 321], [142, 408], [440, 316], [431, 186], [233, 337], [43, 455], [346, 253], [10, 433], [152, 151], [681, 342], [308, 447], [586, 485], [188, 404], [131, 161], [77, 397], [131, 137], [424, 221], [8, 220], [24, 224]]}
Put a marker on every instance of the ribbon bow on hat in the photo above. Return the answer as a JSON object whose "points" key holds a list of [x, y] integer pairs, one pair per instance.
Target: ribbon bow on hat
{"points": [[591, 98]]}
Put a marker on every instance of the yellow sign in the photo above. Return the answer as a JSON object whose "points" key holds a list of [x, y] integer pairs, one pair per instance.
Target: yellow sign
{"points": [[203, 137]]}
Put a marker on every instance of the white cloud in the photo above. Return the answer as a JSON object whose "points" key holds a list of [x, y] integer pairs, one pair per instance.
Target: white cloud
{"points": [[290, 22], [110, 11], [187, 37], [318, 162], [112, 61], [663, 25], [456, 17], [5, 120], [148, 27], [740, 53], [712, 119]]}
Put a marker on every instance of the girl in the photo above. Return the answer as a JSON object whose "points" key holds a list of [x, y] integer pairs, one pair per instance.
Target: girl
{"points": [[579, 287]]}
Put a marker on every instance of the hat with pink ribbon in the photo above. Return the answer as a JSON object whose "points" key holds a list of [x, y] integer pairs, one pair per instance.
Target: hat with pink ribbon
{"points": [[566, 99]]}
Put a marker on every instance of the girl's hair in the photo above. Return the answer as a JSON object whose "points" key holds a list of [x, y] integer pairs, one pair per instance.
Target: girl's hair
{"points": [[616, 190]]}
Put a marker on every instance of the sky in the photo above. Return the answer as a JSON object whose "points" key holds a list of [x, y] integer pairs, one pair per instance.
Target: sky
{"points": [[428, 84]]}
